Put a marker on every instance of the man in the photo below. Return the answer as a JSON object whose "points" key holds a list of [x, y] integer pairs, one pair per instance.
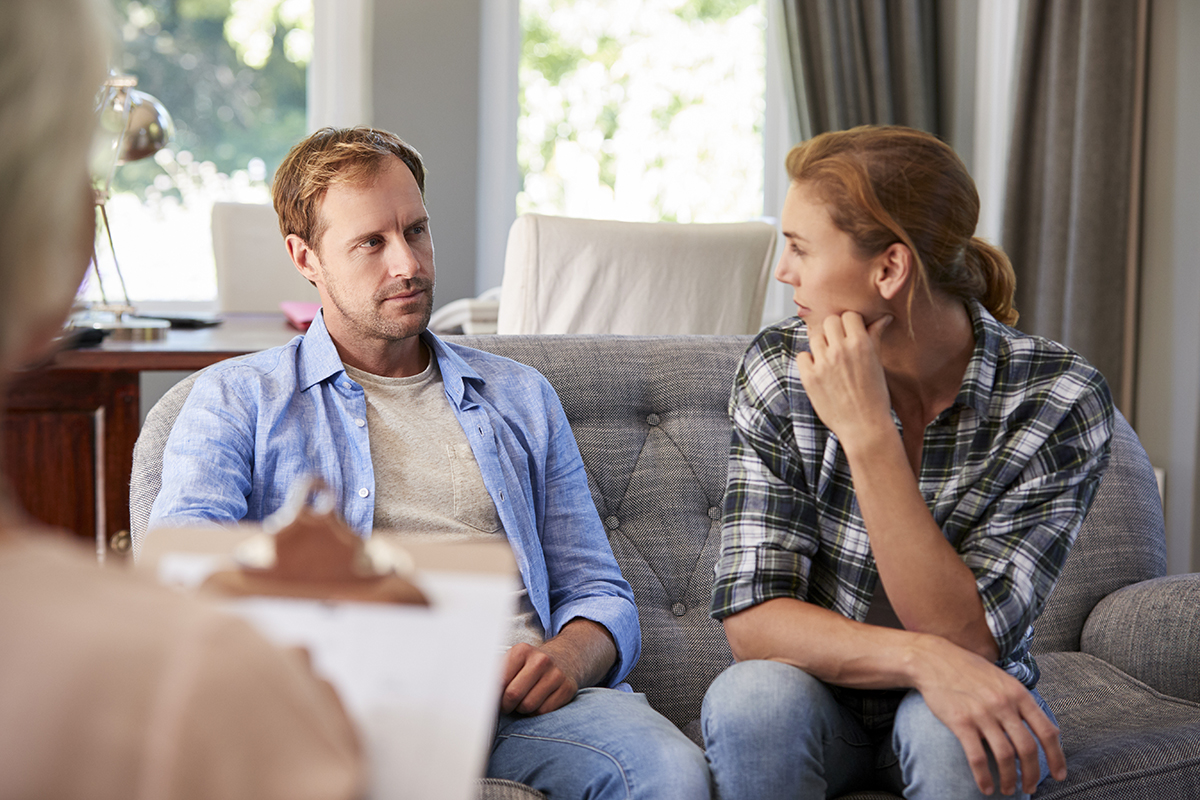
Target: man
{"points": [[437, 440]]}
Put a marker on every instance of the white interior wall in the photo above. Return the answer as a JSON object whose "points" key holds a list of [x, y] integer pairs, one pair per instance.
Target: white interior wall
{"points": [[425, 88]]}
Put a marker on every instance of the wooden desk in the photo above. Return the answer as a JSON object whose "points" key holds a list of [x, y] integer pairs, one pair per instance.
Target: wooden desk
{"points": [[71, 423]]}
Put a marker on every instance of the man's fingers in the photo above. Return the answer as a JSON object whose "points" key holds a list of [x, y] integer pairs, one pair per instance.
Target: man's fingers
{"points": [[557, 699], [519, 682], [538, 686]]}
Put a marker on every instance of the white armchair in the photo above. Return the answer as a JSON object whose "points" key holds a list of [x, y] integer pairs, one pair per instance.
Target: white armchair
{"points": [[565, 275], [254, 272]]}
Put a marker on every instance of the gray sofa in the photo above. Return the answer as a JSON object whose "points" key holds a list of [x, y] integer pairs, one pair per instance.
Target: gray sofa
{"points": [[1118, 644]]}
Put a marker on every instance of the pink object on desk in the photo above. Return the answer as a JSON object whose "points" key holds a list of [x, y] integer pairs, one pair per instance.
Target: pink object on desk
{"points": [[299, 315]]}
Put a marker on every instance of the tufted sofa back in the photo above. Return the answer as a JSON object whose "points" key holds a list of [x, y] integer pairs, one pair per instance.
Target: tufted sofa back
{"points": [[649, 414]]}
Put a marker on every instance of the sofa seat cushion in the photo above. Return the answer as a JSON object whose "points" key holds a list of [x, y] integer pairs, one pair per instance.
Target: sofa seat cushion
{"points": [[497, 789], [1122, 738]]}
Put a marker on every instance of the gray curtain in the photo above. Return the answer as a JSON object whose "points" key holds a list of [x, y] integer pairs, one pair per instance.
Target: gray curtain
{"points": [[1072, 207], [858, 62]]}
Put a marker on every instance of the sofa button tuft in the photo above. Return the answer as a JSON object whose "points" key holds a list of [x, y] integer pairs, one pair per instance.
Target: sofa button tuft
{"points": [[652, 419], [714, 512], [612, 523], [679, 609]]}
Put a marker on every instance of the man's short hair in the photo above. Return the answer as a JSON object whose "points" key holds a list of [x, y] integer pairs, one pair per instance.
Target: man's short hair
{"points": [[332, 156]]}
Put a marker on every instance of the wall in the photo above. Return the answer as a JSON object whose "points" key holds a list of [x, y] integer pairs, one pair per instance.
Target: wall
{"points": [[425, 88], [1168, 385]]}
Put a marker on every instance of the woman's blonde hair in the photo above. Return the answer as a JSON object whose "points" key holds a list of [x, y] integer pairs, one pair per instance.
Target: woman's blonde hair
{"points": [[53, 56], [889, 184]]}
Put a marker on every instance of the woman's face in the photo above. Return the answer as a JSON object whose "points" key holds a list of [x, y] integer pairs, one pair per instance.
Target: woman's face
{"points": [[822, 264]]}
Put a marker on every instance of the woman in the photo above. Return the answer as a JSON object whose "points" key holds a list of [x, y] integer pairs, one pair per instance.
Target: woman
{"points": [[906, 476], [111, 687]]}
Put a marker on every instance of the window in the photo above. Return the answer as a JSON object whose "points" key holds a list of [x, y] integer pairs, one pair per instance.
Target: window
{"points": [[642, 110], [232, 75]]}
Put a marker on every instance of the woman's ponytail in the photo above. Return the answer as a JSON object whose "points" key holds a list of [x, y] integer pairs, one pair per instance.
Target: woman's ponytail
{"points": [[996, 272]]}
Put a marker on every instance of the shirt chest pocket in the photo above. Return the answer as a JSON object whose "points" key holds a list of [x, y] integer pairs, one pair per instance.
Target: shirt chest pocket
{"points": [[473, 505]]}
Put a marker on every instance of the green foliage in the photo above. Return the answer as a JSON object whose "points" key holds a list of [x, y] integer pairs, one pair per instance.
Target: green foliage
{"points": [[545, 52], [714, 10], [224, 111]]}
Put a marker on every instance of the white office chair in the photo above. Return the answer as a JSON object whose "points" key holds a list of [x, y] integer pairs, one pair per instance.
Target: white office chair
{"points": [[254, 272], [564, 275]]}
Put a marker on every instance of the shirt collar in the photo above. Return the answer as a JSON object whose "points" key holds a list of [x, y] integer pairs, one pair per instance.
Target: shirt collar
{"points": [[980, 378], [319, 360], [455, 370]]}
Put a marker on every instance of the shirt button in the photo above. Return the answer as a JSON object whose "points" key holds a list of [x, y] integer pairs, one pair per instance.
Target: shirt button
{"points": [[652, 419], [612, 523], [363, 492], [360, 422], [714, 513], [501, 495], [679, 609]]}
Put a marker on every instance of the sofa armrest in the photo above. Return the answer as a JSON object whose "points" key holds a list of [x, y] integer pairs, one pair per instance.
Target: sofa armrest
{"points": [[1151, 631]]}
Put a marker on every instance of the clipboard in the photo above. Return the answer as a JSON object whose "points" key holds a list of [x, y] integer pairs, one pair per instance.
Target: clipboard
{"points": [[421, 680]]}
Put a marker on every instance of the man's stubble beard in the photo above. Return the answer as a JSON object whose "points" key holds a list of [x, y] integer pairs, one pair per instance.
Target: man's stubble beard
{"points": [[375, 324]]}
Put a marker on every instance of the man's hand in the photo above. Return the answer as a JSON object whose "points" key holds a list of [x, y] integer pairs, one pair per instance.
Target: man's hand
{"points": [[534, 683], [538, 680], [843, 376], [979, 702]]}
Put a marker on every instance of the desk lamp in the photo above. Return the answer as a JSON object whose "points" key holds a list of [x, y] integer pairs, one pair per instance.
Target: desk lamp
{"points": [[133, 125]]}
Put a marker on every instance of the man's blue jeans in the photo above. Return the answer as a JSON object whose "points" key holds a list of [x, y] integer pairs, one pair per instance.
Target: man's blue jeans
{"points": [[773, 731], [604, 744]]}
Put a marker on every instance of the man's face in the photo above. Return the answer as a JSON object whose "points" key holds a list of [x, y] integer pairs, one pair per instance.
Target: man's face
{"points": [[374, 269]]}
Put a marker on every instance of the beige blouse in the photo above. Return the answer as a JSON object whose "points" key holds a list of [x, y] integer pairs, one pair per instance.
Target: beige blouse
{"points": [[114, 687]]}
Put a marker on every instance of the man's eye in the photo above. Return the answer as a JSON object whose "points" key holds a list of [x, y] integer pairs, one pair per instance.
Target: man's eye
{"points": [[374, 241], [416, 230]]}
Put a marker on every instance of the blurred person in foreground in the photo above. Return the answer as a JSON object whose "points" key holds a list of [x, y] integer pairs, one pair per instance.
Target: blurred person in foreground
{"points": [[906, 476], [112, 687]]}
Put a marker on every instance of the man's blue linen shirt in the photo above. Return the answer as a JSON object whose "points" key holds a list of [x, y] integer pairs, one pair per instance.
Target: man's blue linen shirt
{"points": [[252, 426]]}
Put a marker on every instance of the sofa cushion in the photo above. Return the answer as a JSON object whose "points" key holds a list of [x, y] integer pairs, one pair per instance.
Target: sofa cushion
{"points": [[1121, 737], [1122, 541]]}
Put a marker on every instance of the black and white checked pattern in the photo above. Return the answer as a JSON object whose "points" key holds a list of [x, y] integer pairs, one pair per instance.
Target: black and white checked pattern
{"points": [[1008, 472]]}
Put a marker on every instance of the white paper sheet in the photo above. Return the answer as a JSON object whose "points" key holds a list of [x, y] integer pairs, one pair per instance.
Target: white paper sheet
{"points": [[422, 684]]}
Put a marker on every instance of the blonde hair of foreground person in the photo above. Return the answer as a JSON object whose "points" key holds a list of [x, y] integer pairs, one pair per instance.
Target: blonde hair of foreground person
{"points": [[111, 687]]}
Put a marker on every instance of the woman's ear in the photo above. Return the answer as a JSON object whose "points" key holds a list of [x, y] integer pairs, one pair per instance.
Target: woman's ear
{"points": [[893, 268]]}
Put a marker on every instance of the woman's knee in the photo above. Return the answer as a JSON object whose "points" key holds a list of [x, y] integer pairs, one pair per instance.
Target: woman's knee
{"points": [[764, 696]]}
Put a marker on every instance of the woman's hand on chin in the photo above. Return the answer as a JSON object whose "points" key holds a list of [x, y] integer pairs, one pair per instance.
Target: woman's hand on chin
{"points": [[843, 375]]}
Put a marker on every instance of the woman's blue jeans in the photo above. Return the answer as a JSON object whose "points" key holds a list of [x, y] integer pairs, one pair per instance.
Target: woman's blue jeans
{"points": [[773, 731]]}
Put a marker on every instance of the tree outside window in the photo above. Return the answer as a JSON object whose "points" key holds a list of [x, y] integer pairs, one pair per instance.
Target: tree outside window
{"points": [[232, 73], [642, 110]]}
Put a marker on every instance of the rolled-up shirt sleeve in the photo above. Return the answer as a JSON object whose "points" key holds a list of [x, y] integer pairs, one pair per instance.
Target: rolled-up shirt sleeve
{"points": [[768, 532]]}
